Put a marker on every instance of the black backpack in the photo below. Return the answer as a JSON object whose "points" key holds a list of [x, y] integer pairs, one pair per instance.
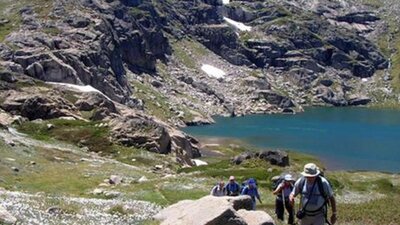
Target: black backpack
{"points": [[320, 186], [276, 182]]}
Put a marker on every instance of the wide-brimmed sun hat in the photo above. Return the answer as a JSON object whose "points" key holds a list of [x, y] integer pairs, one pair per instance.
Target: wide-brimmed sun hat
{"points": [[310, 170], [231, 178], [288, 177]]}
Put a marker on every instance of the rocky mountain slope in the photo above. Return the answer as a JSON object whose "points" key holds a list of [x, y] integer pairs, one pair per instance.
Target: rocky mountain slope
{"points": [[150, 66], [148, 54]]}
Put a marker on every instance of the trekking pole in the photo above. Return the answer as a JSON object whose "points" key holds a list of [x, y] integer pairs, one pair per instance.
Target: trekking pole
{"points": [[284, 203]]}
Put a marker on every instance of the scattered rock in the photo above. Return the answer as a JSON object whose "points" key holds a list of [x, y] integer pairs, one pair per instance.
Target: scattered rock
{"points": [[158, 167], [143, 179], [6, 217], [54, 210], [111, 194], [10, 143], [50, 126], [198, 162], [97, 191], [114, 179], [15, 169]]}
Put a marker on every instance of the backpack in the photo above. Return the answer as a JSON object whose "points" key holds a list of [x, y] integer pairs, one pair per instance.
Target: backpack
{"points": [[319, 184], [278, 180]]}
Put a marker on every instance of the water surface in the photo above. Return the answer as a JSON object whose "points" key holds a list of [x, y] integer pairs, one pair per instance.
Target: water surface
{"points": [[344, 138]]}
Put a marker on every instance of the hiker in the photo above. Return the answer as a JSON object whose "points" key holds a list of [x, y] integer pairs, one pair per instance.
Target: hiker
{"points": [[218, 189], [232, 188], [316, 193], [283, 191], [251, 190]]}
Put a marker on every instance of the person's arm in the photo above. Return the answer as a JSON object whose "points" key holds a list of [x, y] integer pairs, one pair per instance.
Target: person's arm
{"points": [[333, 205], [258, 195], [227, 192], [237, 189], [294, 193], [244, 191], [278, 189], [213, 191]]}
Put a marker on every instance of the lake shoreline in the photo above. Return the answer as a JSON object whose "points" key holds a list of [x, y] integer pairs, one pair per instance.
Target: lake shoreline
{"points": [[367, 143]]}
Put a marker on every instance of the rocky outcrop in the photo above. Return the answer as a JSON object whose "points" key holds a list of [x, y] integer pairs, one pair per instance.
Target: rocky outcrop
{"points": [[36, 106], [102, 106], [212, 210], [274, 98], [141, 133], [279, 158]]}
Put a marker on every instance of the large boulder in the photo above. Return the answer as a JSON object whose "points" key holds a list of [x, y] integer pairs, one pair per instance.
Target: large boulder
{"points": [[210, 210], [6, 217], [96, 101], [36, 106], [280, 158], [184, 145], [256, 217], [142, 133]]}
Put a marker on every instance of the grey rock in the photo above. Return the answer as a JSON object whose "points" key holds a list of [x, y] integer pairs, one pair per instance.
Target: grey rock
{"points": [[6, 217], [274, 98], [256, 217], [7, 77], [114, 179], [279, 158], [358, 100], [54, 210], [207, 210]]}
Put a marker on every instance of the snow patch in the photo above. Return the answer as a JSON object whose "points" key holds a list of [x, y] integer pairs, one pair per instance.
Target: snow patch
{"points": [[238, 25], [364, 79], [82, 88], [225, 2], [213, 71]]}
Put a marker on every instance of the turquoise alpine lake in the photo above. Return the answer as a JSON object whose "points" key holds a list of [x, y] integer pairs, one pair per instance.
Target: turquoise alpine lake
{"points": [[344, 138]]}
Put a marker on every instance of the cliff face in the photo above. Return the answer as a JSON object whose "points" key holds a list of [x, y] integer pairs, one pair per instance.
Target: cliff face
{"points": [[182, 61]]}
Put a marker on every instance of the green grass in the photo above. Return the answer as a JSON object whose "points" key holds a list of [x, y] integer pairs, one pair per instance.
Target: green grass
{"points": [[71, 131], [154, 102], [380, 211], [53, 31], [373, 3], [9, 10], [117, 210], [395, 71], [181, 47]]}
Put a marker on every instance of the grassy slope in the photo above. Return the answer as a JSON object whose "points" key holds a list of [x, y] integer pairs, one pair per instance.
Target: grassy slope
{"points": [[363, 196]]}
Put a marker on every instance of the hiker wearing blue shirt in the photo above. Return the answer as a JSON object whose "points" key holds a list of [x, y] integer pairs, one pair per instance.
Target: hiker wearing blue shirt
{"points": [[251, 190], [232, 188]]}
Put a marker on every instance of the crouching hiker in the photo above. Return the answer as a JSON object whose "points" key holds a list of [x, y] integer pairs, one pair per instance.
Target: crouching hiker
{"points": [[219, 189], [283, 190], [316, 193], [232, 188], [251, 190]]}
